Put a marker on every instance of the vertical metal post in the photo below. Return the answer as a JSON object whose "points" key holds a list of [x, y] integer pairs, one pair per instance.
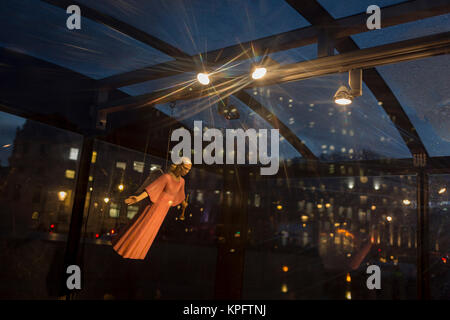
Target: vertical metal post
{"points": [[232, 235], [423, 275], [76, 221], [325, 43]]}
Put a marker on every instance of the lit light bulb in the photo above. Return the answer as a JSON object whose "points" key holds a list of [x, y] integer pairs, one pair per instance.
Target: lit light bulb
{"points": [[348, 295], [203, 78], [442, 190], [389, 218], [343, 96], [120, 187], [258, 73], [343, 101], [106, 200], [348, 278], [406, 202], [62, 195]]}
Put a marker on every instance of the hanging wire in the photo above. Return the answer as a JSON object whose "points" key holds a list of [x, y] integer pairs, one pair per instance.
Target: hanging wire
{"points": [[172, 106]]}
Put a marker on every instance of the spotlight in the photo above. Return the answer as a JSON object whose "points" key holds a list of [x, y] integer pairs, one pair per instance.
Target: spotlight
{"points": [[343, 96], [259, 72], [228, 111], [203, 78]]}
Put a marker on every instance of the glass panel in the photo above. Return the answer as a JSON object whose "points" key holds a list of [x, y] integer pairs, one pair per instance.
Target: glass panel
{"points": [[423, 89], [343, 8], [439, 236], [314, 238], [405, 31], [359, 131], [200, 26], [189, 243], [36, 198], [206, 110], [96, 51]]}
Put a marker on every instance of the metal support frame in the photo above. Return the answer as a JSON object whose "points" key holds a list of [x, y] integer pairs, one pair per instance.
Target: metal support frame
{"points": [[76, 222], [325, 43], [423, 236], [231, 248]]}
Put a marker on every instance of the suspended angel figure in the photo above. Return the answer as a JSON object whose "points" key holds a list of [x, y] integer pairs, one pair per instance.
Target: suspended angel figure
{"points": [[165, 192]]}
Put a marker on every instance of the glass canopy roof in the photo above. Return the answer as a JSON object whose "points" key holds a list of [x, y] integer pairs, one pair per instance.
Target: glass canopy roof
{"points": [[199, 26], [406, 31], [343, 8], [423, 89], [360, 131], [39, 29]]}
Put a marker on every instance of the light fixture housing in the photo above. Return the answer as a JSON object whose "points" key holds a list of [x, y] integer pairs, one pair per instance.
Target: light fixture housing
{"points": [[227, 110], [203, 78], [343, 96]]}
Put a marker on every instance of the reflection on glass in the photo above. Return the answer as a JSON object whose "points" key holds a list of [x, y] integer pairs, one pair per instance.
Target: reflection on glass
{"points": [[190, 242], [360, 131], [36, 201], [439, 236], [328, 234]]}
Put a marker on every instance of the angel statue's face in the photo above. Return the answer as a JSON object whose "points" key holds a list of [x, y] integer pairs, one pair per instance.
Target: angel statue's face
{"points": [[185, 168]]}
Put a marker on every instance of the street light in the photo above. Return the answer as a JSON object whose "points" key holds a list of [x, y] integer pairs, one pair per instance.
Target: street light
{"points": [[62, 195]]}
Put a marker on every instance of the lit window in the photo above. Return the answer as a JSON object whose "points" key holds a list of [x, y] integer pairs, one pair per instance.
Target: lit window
{"points": [[138, 166], [199, 197], [121, 165], [94, 156], [73, 154], [70, 174], [154, 167], [114, 210], [132, 211], [257, 200]]}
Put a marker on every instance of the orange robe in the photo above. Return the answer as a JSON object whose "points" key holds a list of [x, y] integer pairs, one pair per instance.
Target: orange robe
{"points": [[164, 192]]}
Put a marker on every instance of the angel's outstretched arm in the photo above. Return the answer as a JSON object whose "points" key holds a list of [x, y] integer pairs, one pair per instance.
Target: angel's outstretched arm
{"points": [[135, 199]]}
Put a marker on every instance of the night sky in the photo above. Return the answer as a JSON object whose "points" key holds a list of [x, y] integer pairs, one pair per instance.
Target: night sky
{"points": [[8, 126]]}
